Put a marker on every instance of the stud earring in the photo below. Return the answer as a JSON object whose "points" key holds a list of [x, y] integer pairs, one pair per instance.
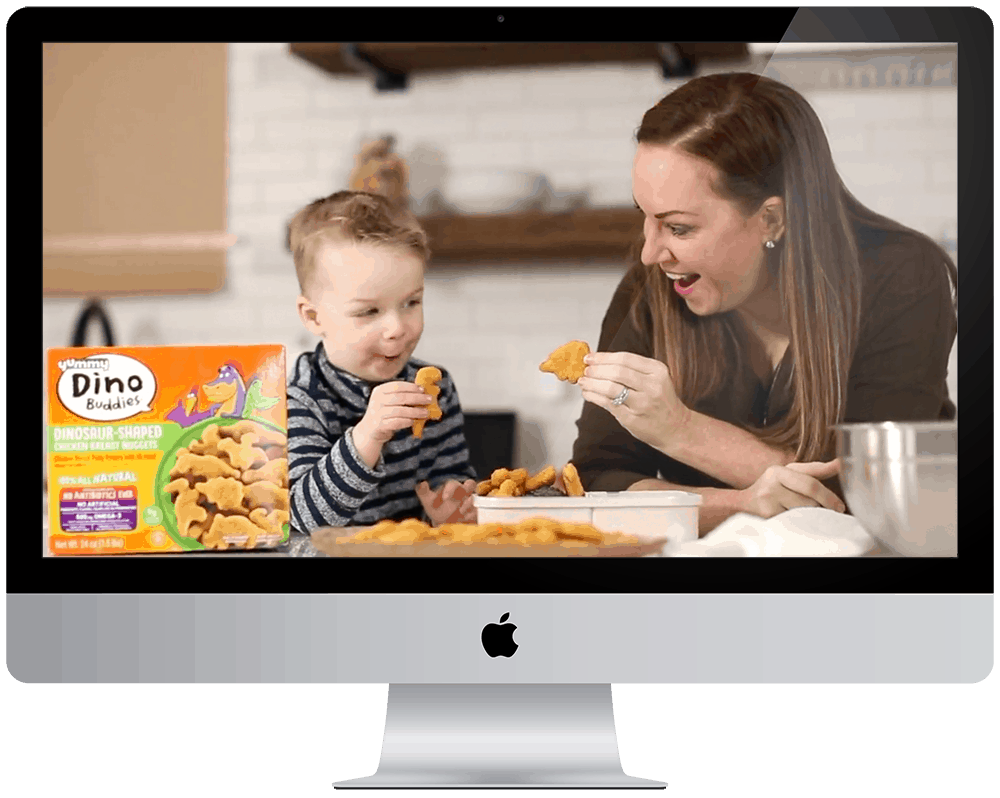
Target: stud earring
{"points": [[769, 244]]}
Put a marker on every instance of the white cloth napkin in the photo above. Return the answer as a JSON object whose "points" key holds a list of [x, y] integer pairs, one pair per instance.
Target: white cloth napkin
{"points": [[802, 532]]}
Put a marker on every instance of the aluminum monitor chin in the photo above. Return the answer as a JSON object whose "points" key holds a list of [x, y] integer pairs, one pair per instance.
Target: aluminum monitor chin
{"points": [[542, 717], [582, 638], [581, 625]]}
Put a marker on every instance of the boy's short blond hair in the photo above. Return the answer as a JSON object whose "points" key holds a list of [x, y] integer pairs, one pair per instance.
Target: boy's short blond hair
{"points": [[351, 216]]}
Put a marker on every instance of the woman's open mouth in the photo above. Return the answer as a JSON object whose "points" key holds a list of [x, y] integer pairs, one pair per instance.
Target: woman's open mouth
{"points": [[683, 283]]}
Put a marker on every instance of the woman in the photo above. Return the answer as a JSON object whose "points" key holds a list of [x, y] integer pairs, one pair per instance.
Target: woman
{"points": [[767, 305]]}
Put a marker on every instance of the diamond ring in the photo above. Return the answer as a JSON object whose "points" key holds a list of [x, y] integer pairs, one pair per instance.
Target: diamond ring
{"points": [[620, 399]]}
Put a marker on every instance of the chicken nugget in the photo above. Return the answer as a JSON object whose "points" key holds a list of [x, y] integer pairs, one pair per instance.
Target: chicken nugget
{"points": [[427, 378], [586, 532], [270, 522], [231, 526], [566, 362], [266, 495], [187, 509], [209, 443], [571, 479], [545, 477], [243, 454], [474, 533], [498, 477], [237, 430], [225, 493], [539, 530], [373, 532], [207, 466], [275, 471], [198, 530], [519, 475], [410, 530]]}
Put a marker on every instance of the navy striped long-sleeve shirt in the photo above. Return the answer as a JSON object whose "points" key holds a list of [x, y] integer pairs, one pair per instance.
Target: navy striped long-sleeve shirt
{"points": [[330, 485]]}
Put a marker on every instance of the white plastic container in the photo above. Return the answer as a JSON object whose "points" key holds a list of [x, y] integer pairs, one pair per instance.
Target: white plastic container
{"points": [[646, 514]]}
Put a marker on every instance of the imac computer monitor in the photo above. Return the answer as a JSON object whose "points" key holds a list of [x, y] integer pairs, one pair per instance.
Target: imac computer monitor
{"points": [[500, 667]]}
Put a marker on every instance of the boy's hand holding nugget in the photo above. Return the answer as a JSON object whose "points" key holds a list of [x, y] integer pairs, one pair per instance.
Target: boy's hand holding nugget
{"points": [[393, 406], [449, 504]]}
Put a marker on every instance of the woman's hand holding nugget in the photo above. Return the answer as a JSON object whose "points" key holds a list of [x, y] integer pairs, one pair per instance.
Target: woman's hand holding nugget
{"points": [[449, 504], [650, 409], [781, 488]]}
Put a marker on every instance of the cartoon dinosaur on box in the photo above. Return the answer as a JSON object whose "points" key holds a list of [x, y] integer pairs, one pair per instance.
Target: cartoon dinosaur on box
{"points": [[228, 396], [228, 391], [185, 415]]}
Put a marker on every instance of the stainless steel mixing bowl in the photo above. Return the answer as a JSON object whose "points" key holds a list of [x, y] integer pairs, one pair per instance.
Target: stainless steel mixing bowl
{"points": [[900, 481]]}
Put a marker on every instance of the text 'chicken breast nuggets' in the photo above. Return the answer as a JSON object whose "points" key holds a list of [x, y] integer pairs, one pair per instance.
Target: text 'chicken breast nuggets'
{"points": [[566, 362]]}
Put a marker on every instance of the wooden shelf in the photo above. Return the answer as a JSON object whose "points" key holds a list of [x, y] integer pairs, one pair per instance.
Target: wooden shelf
{"points": [[589, 233], [403, 58]]}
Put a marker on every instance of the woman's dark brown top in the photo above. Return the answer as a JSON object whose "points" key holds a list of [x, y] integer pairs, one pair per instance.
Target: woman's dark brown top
{"points": [[908, 326]]}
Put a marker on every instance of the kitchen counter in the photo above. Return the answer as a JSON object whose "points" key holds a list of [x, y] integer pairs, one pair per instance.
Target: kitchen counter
{"points": [[296, 546]]}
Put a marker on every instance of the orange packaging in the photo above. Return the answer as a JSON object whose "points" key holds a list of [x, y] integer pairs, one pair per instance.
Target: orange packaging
{"points": [[167, 449]]}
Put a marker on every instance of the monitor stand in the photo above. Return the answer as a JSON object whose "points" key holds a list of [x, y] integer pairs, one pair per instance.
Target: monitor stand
{"points": [[531, 736]]}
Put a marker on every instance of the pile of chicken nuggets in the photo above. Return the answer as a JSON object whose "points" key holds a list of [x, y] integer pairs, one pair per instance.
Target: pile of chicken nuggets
{"points": [[230, 488], [516, 482], [530, 532]]}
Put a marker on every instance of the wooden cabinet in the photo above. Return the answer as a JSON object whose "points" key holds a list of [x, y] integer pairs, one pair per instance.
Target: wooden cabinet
{"points": [[134, 168]]}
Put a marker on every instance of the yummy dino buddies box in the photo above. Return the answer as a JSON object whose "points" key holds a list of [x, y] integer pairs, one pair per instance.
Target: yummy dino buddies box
{"points": [[166, 449]]}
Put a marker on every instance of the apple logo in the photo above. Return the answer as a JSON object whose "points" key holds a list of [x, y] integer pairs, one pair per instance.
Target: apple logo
{"points": [[499, 640]]}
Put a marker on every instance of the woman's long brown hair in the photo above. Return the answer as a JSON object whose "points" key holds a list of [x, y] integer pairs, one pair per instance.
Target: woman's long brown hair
{"points": [[765, 140]]}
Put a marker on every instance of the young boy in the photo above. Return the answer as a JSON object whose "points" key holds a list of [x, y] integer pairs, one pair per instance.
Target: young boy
{"points": [[352, 457]]}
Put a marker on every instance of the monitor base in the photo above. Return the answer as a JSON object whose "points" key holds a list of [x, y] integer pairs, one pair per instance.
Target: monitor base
{"points": [[511, 736]]}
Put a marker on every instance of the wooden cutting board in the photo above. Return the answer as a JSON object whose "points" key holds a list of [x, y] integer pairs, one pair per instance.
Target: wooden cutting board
{"points": [[325, 540]]}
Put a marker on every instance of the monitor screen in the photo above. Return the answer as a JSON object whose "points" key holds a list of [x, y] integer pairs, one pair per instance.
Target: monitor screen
{"points": [[752, 481]]}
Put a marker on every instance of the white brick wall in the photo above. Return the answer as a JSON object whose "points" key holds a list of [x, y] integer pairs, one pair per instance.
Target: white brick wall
{"points": [[897, 151], [293, 134]]}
